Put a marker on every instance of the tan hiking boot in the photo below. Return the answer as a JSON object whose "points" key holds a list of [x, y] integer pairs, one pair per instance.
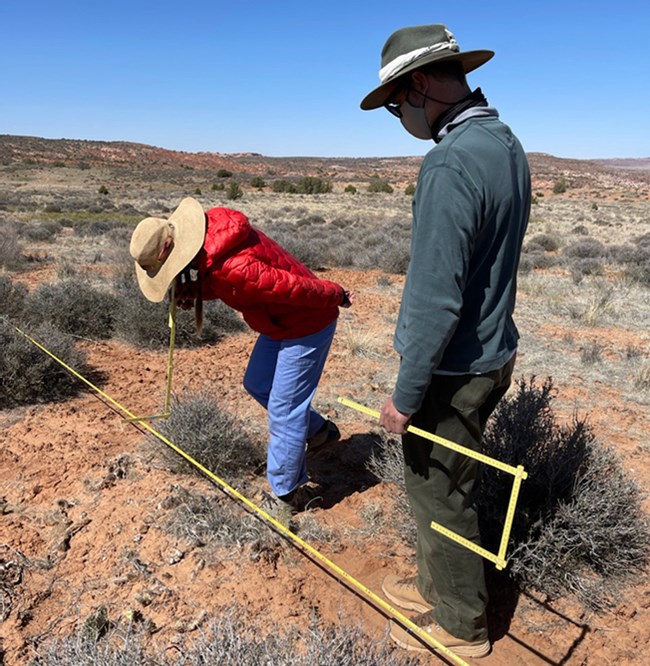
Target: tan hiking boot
{"points": [[426, 621], [404, 593], [283, 508]]}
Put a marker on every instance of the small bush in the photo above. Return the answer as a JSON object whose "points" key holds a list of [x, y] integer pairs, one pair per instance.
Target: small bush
{"points": [[42, 232], [11, 250], [410, 190], [224, 173], [210, 435], [313, 185], [29, 375], [350, 189], [284, 186], [257, 182], [103, 190], [218, 187], [234, 191], [560, 185], [379, 185], [12, 297], [74, 307], [585, 248], [548, 242]]}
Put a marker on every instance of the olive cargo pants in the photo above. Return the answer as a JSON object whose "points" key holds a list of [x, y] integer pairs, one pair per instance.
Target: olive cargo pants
{"points": [[439, 483]]}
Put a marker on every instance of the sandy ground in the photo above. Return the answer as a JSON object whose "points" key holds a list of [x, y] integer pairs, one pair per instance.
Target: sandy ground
{"points": [[84, 500]]}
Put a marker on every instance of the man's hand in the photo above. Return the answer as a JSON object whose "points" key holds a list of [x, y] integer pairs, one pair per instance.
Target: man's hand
{"points": [[392, 419], [348, 299]]}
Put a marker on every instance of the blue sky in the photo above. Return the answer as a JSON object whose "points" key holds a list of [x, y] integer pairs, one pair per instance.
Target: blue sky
{"points": [[286, 78]]}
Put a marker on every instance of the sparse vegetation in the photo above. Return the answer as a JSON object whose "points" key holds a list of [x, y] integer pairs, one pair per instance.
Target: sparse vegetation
{"points": [[214, 438]]}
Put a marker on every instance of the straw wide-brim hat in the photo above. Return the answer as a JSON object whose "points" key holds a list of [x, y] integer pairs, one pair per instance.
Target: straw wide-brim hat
{"points": [[408, 49], [183, 233]]}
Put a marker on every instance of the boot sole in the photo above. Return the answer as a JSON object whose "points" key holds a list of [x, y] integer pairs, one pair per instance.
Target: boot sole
{"points": [[476, 652]]}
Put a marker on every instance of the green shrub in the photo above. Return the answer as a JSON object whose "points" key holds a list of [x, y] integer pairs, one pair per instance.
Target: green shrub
{"points": [[103, 189], [234, 191], [258, 182], [560, 185], [548, 242], [350, 189], [379, 185], [74, 307], [410, 190], [224, 173], [218, 187], [197, 191], [284, 186], [313, 185], [29, 375]]}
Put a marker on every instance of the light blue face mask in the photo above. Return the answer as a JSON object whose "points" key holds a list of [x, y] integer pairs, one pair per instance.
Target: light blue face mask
{"points": [[414, 121]]}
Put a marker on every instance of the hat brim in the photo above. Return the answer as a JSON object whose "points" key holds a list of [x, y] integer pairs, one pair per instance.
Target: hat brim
{"points": [[471, 60], [189, 233]]}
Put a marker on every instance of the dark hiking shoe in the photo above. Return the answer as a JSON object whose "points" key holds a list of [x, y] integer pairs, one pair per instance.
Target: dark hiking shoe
{"points": [[328, 434], [426, 621], [282, 508], [404, 593]]}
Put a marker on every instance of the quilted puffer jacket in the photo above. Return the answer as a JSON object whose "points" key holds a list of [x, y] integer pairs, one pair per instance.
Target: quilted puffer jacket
{"points": [[276, 294]]}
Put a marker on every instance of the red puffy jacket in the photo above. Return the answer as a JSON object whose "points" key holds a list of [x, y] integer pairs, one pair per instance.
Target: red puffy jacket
{"points": [[276, 294]]}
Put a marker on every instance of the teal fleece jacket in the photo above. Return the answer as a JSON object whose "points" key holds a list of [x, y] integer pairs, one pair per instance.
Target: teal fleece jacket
{"points": [[470, 212]]}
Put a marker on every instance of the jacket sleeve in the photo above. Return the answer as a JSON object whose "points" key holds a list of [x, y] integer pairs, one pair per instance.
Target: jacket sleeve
{"points": [[258, 281], [446, 217]]}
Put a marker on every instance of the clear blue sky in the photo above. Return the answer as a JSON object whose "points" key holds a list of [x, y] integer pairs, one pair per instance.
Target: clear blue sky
{"points": [[286, 78]]}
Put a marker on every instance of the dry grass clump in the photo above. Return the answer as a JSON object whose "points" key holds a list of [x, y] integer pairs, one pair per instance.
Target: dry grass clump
{"points": [[12, 298], [11, 249], [28, 375], [579, 527], [214, 438], [232, 638]]}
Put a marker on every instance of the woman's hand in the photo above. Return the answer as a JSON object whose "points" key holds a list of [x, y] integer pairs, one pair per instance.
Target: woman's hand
{"points": [[348, 299], [186, 292]]}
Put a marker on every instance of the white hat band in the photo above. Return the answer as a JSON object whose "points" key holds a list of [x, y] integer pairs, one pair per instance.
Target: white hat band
{"points": [[405, 59]]}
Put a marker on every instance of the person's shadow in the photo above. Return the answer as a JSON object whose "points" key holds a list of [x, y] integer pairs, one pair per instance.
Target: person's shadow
{"points": [[342, 468]]}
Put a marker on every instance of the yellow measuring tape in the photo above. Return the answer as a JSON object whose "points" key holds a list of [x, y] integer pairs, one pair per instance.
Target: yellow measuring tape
{"points": [[518, 472], [340, 573]]}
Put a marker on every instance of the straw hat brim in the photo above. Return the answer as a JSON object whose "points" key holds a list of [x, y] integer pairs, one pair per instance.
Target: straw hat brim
{"points": [[380, 95], [189, 233]]}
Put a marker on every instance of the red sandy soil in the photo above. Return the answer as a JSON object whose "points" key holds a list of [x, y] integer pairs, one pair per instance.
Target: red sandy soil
{"points": [[81, 491]]}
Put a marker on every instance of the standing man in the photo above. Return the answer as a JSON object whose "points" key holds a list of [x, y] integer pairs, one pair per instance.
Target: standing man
{"points": [[455, 334]]}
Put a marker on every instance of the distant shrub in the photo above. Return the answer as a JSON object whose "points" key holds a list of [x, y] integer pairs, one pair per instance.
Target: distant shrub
{"points": [[258, 182], [214, 438], [197, 191], [234, 191], [560, 185], [284, 186], [585, 248], [217, 187], [579, 268], [41, 232], [103, 190], [396, 259], [548, 242], [313, 185], [224, 173], [29, 375], [410, 190], [350, 189], [379, 185]]}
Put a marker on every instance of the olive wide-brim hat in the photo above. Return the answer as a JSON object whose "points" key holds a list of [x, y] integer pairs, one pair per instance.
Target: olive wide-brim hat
{"points": [[408, 49], [162, 248]]}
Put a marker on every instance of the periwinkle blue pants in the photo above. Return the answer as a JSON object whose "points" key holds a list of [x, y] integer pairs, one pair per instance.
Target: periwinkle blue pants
{"points": [[282, 375]]}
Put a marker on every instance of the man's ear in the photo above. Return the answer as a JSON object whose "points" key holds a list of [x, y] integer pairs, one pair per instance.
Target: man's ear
{"points": [[419, 82]]}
